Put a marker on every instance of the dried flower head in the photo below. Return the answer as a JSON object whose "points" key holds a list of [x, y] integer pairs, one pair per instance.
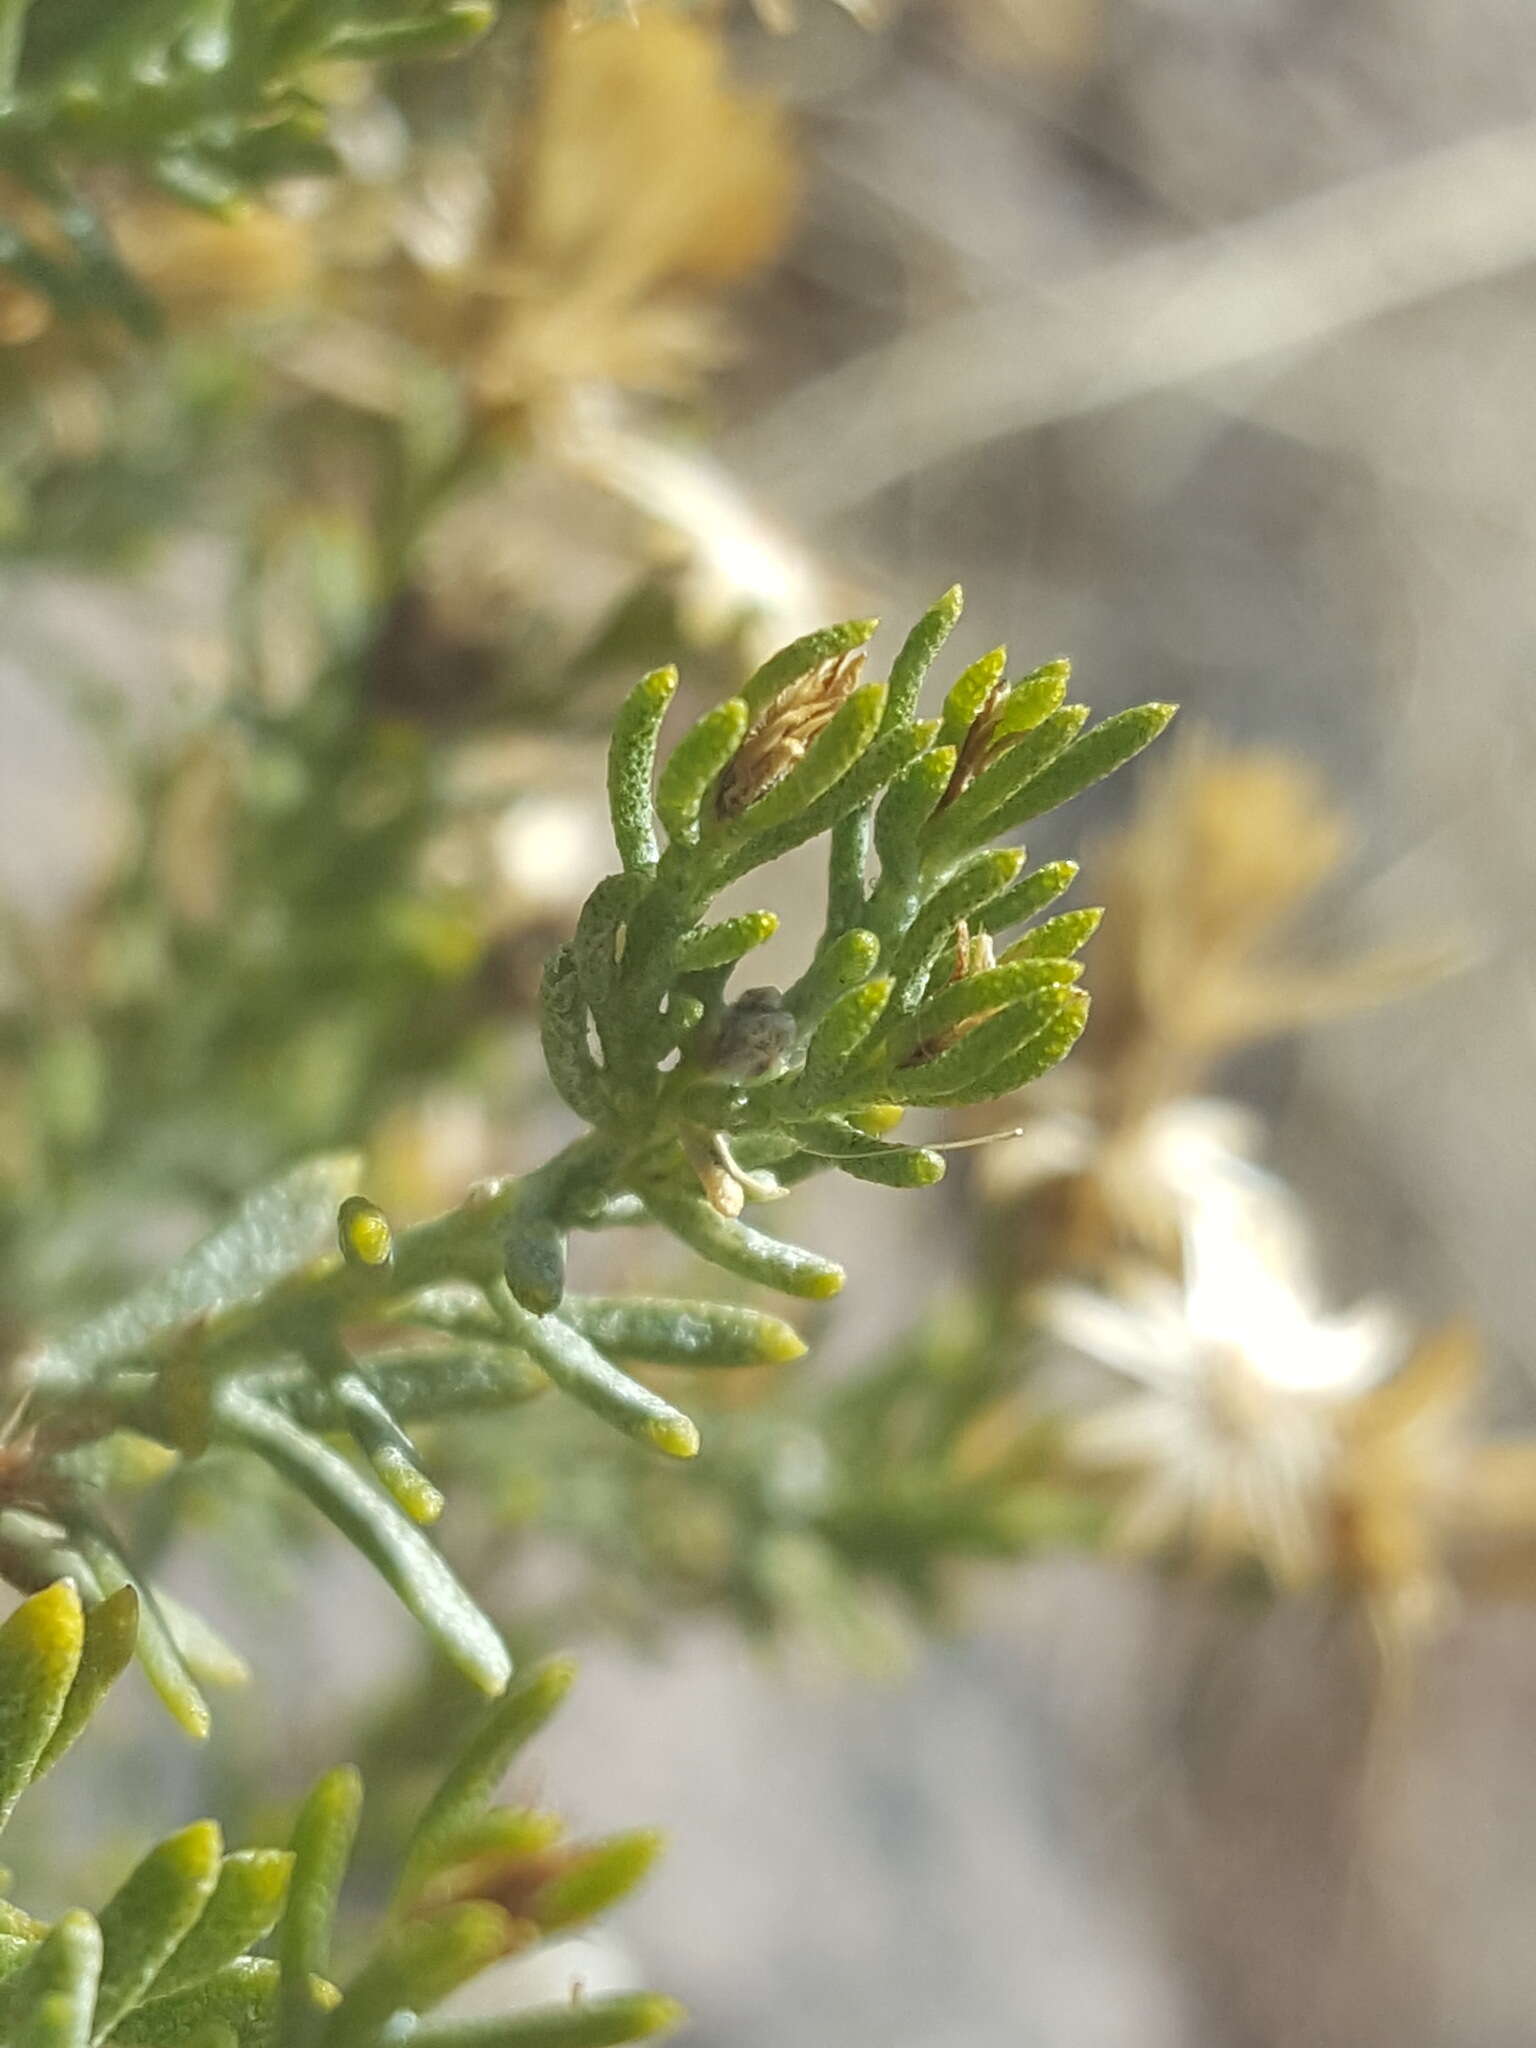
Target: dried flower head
{"points": [[793, 719], [1227, 1448], [1228, 846], [641, 183], [199, 271], [1420, 1499]]}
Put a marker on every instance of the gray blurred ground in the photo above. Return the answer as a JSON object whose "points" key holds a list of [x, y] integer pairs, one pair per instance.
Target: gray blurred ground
{"points": [[1199, 338]]}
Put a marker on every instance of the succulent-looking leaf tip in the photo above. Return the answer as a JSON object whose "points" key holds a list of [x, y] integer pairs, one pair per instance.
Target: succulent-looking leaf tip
{"points": [[674, 1434]]}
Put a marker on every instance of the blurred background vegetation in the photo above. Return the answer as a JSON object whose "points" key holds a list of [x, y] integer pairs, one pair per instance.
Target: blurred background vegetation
{"points": [[1110, 1635]]}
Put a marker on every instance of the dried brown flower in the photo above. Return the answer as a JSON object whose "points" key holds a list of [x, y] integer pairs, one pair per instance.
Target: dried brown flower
{"points": [[1202, 887], [640, 183], [1421, 1502], [198, 270], [793, 719]]}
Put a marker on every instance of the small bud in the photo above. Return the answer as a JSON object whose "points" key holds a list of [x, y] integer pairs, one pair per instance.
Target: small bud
{"points": [[363, 1232], [753, 1037]]}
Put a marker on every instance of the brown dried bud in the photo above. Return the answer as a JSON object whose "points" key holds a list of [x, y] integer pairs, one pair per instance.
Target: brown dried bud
{"points": [[780, 738], [976, 747], [974, 954]]}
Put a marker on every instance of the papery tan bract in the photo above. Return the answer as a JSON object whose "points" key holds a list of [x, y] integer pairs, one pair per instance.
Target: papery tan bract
{"points": [[644, 183]]}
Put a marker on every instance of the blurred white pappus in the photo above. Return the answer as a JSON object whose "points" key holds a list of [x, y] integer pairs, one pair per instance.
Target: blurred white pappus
{"points": [[1180, 1161], [736, 571], [1230, 1439]]}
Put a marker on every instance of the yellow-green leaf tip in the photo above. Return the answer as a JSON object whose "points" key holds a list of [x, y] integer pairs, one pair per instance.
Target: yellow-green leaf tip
{"points": [[550, 1683], [674, 1434], [190, 1714], [196, 1852], [781, 1344], [51, 1623], [409, 1488], [655, 2015], [822, 1286]]}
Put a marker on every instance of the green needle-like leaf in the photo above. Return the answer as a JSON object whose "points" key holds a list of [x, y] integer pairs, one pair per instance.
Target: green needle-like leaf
{"points": [[158, 1650], [651, 1331], [1097, 753], [896, 1166], [589, 2023], [322, 1848], [378, 1435], [736, 1248], [371, 1521], [587, 1376], [984, 809], [866, 1158], [722, 945], [563, 1024], [274, 1231], [40, 1652], [110, 1630], [918, 653], [975, 996], [1026, 1063], [470, 1785], [246, 1904], [842, 1031], [969, 694], [1032, 699], [870, 773], [51, 2002], [417, 1966], [1031, 892], [602, 933], [242, 1999], [147, 1918], [837, 967], [1058, 938], [593, 1879], [631, 762], [965, 1065], [970, 889], [694, 764], [908, 805], [801, 656]]}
